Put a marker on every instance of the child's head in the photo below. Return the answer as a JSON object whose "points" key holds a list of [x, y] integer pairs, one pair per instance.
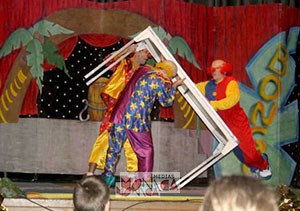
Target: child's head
{"points": [[91, 194]]}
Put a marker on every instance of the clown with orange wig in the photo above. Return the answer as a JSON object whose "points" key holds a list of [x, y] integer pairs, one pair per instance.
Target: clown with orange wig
{"points": [[224, 95]]}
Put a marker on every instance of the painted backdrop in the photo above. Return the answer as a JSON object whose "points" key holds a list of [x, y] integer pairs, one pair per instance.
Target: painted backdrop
{"points": [[48, 46]]}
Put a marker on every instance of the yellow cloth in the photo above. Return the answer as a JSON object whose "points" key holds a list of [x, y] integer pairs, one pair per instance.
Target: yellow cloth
{"points": [[98, 154], [201, 87], [131, 159], [116, 83], [232, 95]]}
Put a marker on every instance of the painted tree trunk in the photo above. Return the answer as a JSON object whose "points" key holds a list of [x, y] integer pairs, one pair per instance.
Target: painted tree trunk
{"points": [[15, 87]]}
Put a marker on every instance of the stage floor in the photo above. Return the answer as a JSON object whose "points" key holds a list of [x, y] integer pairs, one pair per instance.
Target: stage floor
{"points": [[116, 205], [56, 194]]}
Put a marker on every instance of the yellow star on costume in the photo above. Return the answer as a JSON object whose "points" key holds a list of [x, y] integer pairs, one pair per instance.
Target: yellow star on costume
{"points": [[135, 129], [139, 92], [142, 104], [127, 115], [147, 98], [154, 85], [143, 82], [169, 100], [119, 129], [159, 94], [137, 115], [143, 122], [133, 106]]}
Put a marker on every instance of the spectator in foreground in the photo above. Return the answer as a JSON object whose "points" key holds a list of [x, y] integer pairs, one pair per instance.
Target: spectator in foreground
{"points": [[239, 193], [91, 194]]}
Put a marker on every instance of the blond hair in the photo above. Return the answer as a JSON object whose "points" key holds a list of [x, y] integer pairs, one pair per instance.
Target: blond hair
{"points": [[168, 66]]}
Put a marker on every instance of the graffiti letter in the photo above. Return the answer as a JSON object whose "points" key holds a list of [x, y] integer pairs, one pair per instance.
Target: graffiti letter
{"points": [[279, 58], [263, 88], [260, 108]]}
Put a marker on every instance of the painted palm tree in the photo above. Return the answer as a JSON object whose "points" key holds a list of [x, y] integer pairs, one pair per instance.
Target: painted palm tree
{"points": [[36, 49], [176, 45]]}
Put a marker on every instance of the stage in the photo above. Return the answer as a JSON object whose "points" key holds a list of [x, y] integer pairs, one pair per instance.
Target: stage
{"points": [[56, 194], [66, 205]]}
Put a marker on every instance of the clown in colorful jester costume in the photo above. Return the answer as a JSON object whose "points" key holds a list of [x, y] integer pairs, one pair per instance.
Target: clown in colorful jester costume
{"points": [[131, 116], [110, 95], [223, 94]]}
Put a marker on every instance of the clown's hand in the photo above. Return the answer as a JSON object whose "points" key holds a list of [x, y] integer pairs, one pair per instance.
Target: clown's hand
{"points": [[179, 81]]}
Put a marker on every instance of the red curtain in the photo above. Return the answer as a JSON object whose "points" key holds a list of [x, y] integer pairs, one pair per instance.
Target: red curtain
{"points": [[232, 33], [100, 40]]}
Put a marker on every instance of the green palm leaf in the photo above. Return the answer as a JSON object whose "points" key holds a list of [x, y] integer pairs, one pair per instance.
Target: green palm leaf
{"points": [[48, 28], [52, 57], [177, 45], [35, 59], [161, 33], [18, 38]]}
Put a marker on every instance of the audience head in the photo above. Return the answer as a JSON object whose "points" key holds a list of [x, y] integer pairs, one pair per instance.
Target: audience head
{"points": [[239, 193], [91, 193]]}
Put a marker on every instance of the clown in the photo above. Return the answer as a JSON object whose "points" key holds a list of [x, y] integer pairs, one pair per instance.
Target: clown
{"points": [[110, 96], [223, 94], [131, 116]]}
